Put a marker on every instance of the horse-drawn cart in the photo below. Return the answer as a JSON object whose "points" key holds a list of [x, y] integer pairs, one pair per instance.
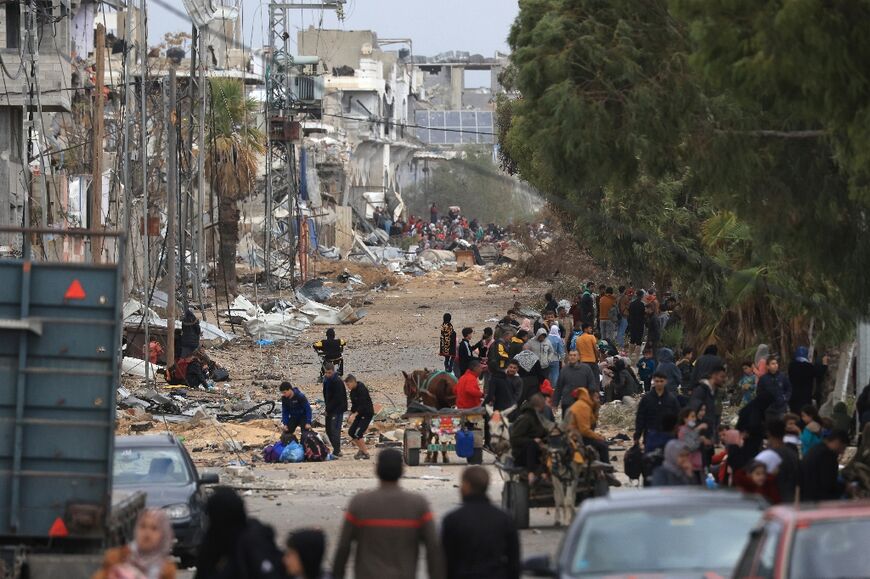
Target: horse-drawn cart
{"points": [[433, 431]]}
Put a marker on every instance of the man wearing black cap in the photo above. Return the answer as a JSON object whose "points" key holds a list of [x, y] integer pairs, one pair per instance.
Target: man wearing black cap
{"points": [[388, 524]]}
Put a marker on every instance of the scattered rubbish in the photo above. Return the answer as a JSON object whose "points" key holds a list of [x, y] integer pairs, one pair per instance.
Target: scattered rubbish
{"points": [[314, 290], [347, 277], [324, 315], [330, 253]]}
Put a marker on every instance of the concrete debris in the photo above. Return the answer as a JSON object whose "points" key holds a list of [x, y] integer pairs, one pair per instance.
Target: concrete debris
{"points": [[346, 277], [314, 290], [438, 257], [134, 316], [330, 253], [324, 315], [278, 326]]}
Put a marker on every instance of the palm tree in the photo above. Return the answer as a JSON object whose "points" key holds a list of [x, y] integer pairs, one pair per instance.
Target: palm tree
{"points": [[232, 150]]}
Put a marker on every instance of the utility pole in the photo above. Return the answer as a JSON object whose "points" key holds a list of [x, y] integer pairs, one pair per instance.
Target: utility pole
{"points": [[189, 219], [202, 256], [129, 101], [97, 150], [172, 204], [143, 151], [279, 111]]}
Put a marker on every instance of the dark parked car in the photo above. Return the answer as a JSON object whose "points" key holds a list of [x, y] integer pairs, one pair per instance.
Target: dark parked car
{"points": [[674, 532], [160, 466], [810, 542]]}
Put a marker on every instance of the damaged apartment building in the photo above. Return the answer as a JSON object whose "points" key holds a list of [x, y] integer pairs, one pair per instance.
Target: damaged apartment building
{"points": [[51, 30], [383, 114]]}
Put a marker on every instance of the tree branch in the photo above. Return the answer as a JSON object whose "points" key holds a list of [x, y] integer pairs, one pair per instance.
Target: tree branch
{"points": [[808, 134]]}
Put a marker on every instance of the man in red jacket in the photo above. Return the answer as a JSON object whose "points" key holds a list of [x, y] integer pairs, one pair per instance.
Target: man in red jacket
{"points": [[468, 392]]}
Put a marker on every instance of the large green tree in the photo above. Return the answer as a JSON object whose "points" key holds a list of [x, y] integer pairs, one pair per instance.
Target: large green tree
{"points": [[634, 118]]}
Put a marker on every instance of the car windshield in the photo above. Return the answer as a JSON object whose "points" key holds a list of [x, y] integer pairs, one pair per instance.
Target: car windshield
{"points": [[144, 466], [831, 549], [661, 539]]}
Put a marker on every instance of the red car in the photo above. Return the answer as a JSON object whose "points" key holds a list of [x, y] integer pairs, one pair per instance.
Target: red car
{"points": [[822, 541]]}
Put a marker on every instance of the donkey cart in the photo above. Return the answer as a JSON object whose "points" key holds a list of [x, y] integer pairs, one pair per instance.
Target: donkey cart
{"points": [[569, 482], [436, 431]]}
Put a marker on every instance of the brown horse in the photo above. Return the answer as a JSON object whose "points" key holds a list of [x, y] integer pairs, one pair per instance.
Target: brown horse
{"points": [[435, 389]]}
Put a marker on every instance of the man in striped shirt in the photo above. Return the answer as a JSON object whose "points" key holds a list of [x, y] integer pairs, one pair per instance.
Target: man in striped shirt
{"points": [[388, 524]]}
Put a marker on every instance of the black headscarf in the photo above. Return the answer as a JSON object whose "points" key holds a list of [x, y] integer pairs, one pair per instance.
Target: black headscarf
{"points": [[227, 521], [310, 544]]}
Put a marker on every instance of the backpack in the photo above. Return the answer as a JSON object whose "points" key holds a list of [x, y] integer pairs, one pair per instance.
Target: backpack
{"points": [[464, 443], [314, 448], [633, 462], [220, 374]]}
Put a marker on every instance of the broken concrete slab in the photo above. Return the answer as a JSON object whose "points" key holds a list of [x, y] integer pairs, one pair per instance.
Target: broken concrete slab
{"points": [[324, 315]]}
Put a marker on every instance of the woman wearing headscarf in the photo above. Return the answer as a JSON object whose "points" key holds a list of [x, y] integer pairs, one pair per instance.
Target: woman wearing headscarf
{"points": [[303, 558], [190, 333], [235, 546], [677, 467], [149, 556]]}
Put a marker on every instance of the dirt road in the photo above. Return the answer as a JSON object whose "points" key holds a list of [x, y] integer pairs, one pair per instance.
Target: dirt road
{"points": [[399, 332]]}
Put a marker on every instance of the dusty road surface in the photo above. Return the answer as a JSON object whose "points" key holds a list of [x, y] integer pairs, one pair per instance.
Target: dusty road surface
{"points": [[291, 496], [399, 332]]}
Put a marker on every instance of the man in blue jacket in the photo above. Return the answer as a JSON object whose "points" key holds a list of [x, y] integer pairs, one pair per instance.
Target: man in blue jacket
{"points": [[295, 409]]}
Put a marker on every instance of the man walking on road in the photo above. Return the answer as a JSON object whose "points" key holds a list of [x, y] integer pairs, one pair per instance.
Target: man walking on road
{"points": [[479, 539], [573, 376], [387, 525], [335, 400], [655, 405]]}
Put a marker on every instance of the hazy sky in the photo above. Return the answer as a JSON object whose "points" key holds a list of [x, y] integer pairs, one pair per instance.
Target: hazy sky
{"points": [[476, 26]]}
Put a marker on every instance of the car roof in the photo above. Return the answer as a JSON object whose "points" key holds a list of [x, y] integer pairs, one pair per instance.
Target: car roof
{"points": [[822, 511], [148, 440], [671, 496]]}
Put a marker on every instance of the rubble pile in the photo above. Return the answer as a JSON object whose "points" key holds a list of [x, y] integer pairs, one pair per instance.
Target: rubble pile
{"points": [[618, 416]]}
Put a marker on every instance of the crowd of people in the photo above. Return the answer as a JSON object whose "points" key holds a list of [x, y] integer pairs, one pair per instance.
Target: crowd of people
{"points": [[383, 527], [541, 372], [439, 231], [557, 366]]}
